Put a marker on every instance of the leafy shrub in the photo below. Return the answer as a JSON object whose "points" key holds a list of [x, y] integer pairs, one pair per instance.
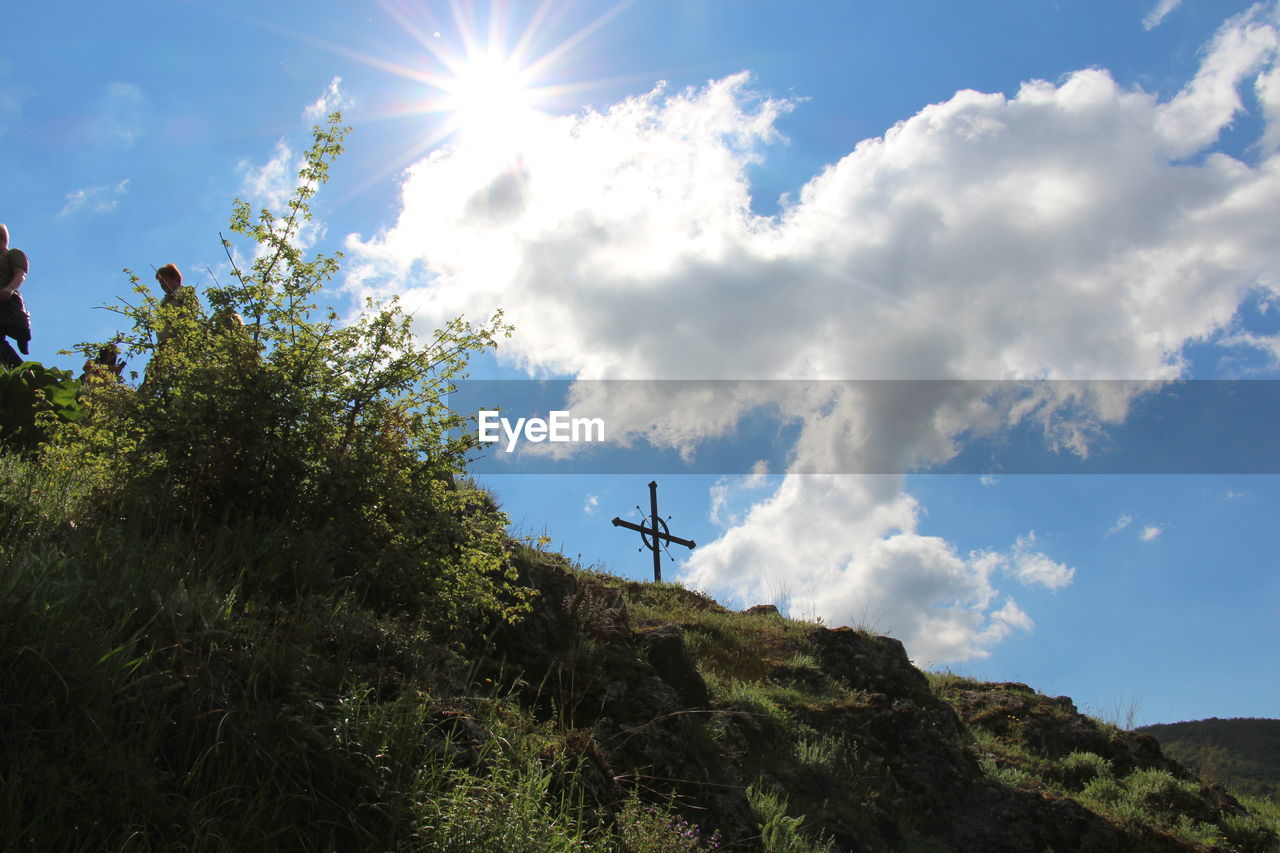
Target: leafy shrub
{"points": [[1078, 769], [337, 435], [29, 391], [1104, 791], [1257, 830]]}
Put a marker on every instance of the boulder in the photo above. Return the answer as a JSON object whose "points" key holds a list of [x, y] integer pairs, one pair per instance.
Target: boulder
{"points": [[664, 648]]}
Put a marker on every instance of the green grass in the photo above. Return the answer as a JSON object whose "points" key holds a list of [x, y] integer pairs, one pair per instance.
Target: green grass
{"points": [[227, 690], [1145, 802], [779, 831], [233, 689]]}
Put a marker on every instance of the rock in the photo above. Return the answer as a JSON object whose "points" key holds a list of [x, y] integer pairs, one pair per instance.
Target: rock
{"points": [[665, 650], [867, 662], [762, 610]]}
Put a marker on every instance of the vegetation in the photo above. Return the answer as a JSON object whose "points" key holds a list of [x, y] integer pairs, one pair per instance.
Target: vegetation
{"points": [[1243, 754], [253, 604], [1030, 742], [33, 398]]}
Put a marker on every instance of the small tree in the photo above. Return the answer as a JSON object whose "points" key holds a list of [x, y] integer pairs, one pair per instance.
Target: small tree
{"points": [[268, 409]]}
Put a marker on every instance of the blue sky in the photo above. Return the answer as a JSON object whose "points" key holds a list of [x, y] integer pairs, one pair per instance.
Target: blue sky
{"points": [[759, 190]]}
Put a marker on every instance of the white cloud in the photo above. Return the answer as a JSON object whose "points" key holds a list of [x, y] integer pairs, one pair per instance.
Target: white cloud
{"points": [[1150, 532], [1157, 15], [848, 549], [1121, 523], [271, 185], [1054, 233], [1032, 567], [988, 480], [731, 490], [719, 497], [1078, 230], [96, 199], [1268, 344], [332, 99], [1245, 46], [591, 504], [1267, 87]]}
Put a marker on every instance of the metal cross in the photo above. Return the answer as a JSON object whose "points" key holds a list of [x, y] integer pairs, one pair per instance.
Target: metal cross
{"points": [[656, 531]]}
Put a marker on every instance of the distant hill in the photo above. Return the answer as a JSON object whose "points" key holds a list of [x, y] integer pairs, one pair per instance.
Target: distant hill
{"points": [[1243, 754]]}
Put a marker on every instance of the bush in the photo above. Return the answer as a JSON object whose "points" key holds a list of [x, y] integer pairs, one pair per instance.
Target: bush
{"points": [[32, 397], [1080, 768], [270, 410]]}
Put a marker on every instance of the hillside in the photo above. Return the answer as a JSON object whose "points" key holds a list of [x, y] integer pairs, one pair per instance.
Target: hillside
{"points": [[1241, 753], [188, 692]]}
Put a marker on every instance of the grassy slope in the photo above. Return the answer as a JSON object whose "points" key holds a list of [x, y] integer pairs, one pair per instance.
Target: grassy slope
{"points": [[231, 692]]}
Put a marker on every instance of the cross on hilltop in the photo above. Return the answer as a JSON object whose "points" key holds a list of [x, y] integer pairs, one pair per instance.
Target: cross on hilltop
{"points": [[651, 535]]}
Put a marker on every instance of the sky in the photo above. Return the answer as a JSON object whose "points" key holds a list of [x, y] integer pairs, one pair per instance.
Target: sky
{"points": [[657, 192]]}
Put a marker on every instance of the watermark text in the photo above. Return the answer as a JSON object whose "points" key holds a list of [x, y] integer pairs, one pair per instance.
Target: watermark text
{"points": [[557, 426]]}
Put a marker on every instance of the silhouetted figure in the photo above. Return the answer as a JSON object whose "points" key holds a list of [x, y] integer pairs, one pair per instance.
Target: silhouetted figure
{"points": [[177, 298], [15, 322], [175, 293], [170, 279], [106, 367]]}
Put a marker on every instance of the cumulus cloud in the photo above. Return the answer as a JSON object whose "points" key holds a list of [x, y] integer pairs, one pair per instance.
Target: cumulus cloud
{"points": [[1072, 230], [988, 480], [1157, 14], [848, 549], [1150, 533], [1053, 233], [591, 504], [96, 199]]}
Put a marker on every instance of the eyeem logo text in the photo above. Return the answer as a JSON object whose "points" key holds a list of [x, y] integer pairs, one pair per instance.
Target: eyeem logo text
{"points": [[558, 426]]}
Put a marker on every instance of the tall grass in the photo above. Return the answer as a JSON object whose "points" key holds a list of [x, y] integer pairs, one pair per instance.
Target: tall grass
{"points": [[229, 691]]}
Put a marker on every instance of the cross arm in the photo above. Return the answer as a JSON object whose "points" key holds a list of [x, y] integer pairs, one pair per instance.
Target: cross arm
{"points": [[688, 543]]}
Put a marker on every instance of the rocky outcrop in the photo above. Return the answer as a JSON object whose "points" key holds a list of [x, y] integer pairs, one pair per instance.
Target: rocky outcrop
{"points": [[891, 762], [1054, 728], [664, 648], [633, 690], [866, 662]]}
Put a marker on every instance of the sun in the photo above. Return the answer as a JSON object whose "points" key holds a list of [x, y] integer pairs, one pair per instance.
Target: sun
{"points": [[488, 84], [488, 96]]}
